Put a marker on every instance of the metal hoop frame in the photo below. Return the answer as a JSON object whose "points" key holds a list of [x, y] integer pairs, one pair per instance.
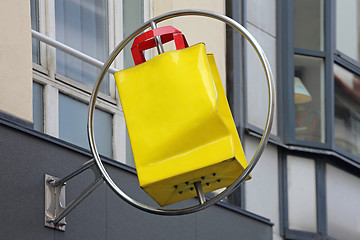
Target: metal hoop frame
{"points": [[259, 150]]}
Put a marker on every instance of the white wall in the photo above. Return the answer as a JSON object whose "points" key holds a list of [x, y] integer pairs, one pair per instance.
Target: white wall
{"points": [[15, 59], [262, 191]]}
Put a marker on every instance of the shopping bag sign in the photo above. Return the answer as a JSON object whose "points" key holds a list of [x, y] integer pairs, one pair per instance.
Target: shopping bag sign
{"points": [[180, 125]]}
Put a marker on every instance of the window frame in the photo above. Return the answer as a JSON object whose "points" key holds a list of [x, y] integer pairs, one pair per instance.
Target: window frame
{"points": [[53, 83], [322, 153], [321, 219], [330, 57]]}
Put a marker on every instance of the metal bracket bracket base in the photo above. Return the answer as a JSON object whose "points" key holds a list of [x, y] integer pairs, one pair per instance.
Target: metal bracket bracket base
{"points": [[55, 207], [54, 203]]}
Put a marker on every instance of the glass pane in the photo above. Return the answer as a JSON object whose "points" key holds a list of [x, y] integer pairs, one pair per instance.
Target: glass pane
{"points": [[348, 28], [129, 154], [309, 99], [133, 16], [342, 204], [347, 110], [309, 24], [82, 25], [72, 125], [35, 26], [301, 183], [38, 107]]}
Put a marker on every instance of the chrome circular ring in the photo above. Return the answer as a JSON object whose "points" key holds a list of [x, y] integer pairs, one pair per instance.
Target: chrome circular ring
{"points": [[264, 138]]}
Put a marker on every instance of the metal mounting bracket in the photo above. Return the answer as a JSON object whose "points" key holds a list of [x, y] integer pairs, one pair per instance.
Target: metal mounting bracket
{"points": [[54, 202], [55, 206]]}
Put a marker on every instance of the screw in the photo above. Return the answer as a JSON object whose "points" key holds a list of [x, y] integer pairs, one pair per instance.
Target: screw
{"points": [[50, 181], [218, 180], [49, 220], [62, 224]]}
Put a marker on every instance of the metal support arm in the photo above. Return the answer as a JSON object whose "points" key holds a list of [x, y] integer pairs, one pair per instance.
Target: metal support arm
{"points": [[55, 207]]}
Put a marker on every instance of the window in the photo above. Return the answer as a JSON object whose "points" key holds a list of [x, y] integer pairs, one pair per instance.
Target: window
{"points": [[133, 17], [38, 107], [321, 80], [347, 78], [82, 25], [133, 12], [309, 78], [320, 197], [347, 110], [63, 83], [348, 38], [72, 125], [309, 24], [35, 25], [309, 98]]}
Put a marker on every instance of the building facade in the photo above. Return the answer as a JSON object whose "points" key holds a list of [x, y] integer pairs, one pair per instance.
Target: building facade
{"points": [[307, 183]]}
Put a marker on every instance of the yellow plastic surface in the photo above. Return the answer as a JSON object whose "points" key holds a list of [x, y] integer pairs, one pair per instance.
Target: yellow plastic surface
{"points": [[180, 125]]}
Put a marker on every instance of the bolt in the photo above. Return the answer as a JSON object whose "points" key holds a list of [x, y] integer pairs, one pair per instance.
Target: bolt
{"points": [[50, 181], [49, 220], [61, 224]]}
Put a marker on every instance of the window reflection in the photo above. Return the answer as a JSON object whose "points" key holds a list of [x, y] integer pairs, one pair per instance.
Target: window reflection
{"points": [[82, 25], [347, 110], [309, 99], [72, 125]]}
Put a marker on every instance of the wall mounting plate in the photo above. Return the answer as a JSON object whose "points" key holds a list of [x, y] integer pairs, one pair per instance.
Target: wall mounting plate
{"points": [[54, 203]]}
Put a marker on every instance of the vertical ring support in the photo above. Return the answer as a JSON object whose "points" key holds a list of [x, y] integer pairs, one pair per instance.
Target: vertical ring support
{"points": [[264, 138]]}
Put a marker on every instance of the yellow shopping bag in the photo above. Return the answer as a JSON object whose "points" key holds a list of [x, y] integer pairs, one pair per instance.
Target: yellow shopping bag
{"points": [[179, 122]]}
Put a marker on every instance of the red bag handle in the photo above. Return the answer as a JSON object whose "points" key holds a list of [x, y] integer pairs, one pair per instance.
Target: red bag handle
{"points": [[147, 40]]}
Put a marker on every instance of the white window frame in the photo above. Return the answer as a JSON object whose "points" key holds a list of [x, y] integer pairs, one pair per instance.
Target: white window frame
{"points": [[54, 83]]}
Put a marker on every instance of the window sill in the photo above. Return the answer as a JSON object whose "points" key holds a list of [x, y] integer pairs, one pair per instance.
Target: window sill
{"points": [[355, 162], [84, 88]]}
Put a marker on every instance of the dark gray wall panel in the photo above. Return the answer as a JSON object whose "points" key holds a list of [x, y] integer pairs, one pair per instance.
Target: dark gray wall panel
{"points": [[26, 156]]}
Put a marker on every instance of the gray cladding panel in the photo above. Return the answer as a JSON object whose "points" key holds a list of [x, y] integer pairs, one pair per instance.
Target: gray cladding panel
{"points": [[25, 158]]}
